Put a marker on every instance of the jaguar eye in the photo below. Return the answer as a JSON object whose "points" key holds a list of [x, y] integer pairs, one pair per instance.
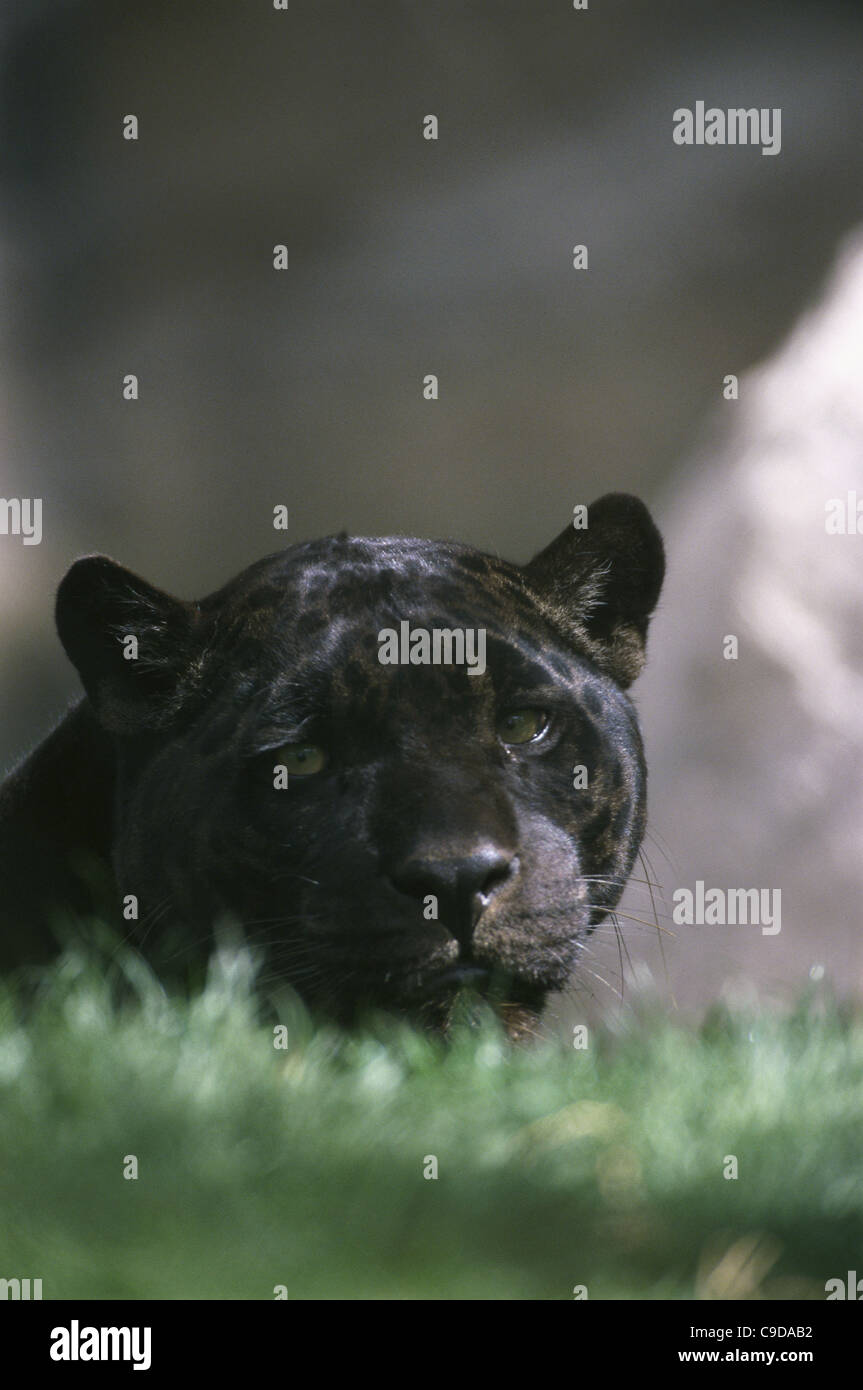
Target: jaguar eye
{"points": [[523, 726], [301, 759]]}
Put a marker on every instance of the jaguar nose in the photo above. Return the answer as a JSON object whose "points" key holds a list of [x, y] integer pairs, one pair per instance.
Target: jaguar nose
{"points": [[463, 886]]}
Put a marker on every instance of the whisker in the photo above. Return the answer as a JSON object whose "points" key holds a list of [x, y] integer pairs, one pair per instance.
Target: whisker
{"points": [[626, 917]]}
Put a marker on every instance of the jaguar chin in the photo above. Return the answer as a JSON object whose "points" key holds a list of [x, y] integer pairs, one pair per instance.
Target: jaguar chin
{"points": [[388, 833]]}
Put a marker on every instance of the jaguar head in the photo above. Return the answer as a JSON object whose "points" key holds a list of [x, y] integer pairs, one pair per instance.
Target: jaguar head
{"points": [[403, 767]]}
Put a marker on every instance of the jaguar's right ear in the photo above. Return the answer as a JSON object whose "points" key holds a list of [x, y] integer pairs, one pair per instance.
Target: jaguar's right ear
{"points": [[132, 644], [600, 584]]}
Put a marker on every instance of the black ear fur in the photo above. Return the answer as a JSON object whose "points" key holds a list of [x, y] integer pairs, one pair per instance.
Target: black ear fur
{"points": [[99, 603], [601, 584]]}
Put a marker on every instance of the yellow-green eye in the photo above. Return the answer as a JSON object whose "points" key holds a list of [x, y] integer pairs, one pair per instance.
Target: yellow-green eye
{"points": [[301, 759], [523, 725]]}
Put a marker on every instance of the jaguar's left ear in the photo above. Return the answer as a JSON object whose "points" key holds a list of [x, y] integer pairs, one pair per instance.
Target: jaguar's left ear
{"points": [[132, 643], [600, 584]]}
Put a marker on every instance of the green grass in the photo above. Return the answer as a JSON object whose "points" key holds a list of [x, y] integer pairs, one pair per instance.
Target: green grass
{"points": [[557, 1167]]}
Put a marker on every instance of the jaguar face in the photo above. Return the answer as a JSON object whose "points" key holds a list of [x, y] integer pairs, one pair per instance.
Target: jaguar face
{"points": [[389, 813]]}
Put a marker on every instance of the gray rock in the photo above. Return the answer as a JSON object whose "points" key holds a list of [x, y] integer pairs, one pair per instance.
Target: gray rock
{"points": [[757, 764]]}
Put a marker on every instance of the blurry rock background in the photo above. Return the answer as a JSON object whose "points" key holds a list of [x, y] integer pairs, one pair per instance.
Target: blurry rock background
{"points": [[757, 763], [407, 257]]}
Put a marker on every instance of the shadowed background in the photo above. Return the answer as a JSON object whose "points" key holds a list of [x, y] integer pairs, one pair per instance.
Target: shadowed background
{"points": [[451, 257]]}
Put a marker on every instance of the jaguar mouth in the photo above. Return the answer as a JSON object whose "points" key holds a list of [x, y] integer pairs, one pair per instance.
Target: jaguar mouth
{"points": [[517, 1004]]}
